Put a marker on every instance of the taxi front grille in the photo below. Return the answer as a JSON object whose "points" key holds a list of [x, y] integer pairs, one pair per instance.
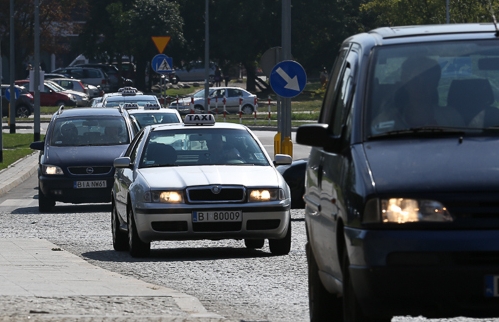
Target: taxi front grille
{"points": [[216, 194], [89, 170]]}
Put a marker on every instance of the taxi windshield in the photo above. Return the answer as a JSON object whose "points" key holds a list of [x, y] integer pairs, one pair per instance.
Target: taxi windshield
{"points": [[202, 146], [437, 87], [88, 131]]}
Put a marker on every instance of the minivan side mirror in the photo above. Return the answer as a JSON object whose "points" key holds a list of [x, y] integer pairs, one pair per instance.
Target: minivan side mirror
{"points": [[38, 145], [316, 135]]}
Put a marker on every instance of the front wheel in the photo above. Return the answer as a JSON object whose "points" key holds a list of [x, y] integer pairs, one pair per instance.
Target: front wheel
{"points": [[281, 246], [322, 305], [45, 203], [352, 311], [136, 246], [120, 240]]}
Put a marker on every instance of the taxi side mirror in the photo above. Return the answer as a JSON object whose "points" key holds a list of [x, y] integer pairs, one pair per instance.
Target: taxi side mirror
{"points": [[122, 162]]}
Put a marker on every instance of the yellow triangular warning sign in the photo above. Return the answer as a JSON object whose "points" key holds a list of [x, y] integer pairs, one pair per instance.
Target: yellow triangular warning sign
{"points": [[161, 42]]}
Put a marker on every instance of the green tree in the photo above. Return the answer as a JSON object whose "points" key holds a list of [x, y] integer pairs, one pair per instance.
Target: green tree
{"points": [[409, 12], [127, 28], [56, 21]]}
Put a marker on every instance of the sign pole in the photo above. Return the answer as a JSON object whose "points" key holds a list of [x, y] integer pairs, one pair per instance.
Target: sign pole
{"points": [[286, 144]]}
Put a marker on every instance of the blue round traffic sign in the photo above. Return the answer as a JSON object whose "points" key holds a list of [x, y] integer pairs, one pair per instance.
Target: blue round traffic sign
{"points": [[288, 78], [162, 64], [16, 93]]}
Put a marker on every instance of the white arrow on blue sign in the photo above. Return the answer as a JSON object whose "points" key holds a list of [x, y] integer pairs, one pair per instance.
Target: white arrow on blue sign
{"points": [[288, 78], [16, 93], [162, 64]]}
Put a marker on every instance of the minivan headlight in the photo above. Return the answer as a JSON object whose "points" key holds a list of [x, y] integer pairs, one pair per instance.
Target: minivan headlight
{"points": [[405, 210], [48, 169]]}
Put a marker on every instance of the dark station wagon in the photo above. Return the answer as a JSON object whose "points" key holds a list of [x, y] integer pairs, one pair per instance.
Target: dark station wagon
{"points": [[402, 182]]}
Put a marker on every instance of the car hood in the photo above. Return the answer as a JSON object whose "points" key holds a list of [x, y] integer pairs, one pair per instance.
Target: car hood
{"points": [[83, 155], [181, 177], [434, 165]]}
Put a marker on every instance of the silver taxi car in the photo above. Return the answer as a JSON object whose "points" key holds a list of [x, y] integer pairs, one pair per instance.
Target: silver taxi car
{"points": [[199, 180]]}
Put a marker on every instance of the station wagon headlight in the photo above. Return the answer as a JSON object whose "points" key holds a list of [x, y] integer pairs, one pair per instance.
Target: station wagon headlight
{"points": [[403, 210], [164, 197], [256, 195], [52, 170]]}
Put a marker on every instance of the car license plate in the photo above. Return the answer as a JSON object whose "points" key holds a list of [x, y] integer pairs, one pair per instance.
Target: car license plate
{"points": [[217, 216], [492, 286], [90, 184]]}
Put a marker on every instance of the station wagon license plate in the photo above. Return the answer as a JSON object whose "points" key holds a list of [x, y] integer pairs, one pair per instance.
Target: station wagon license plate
{"points": [[90, 184], [217, 216], [492, 286]]}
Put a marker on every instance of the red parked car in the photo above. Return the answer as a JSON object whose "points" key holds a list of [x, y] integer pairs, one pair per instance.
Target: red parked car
{"points": [[50, 96]]}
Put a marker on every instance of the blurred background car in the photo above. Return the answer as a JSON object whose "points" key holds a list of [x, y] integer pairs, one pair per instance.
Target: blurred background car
{"points": [[93, 76], [81, 99], [96, 102], [111, 71], [77, 85], [24, 102], [53, 75], [194, 71], [146, 117], [294, 174], [50, 95], [217, 94]]}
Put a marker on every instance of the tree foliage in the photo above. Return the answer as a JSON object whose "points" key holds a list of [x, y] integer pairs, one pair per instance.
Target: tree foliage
{"points": [[55, 18]]}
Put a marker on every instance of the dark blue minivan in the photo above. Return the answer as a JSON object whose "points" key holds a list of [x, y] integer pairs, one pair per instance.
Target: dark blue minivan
{"points": [[402, 182]]}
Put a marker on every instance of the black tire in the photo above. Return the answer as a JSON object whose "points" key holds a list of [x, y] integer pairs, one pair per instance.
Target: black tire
{"points": [[323, 306], [247, 109], [23, 111], [352, 312], [280, 247], [136, 246], [254, 243], [60, 103], [120, 238], [45, 204]]}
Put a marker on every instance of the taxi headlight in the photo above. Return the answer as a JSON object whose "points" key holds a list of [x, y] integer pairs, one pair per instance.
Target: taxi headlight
{"points": [[164, 197], [52, 170], [256, 195], [403, 210]]}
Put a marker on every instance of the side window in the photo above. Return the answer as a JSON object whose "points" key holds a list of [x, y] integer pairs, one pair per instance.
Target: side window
{"points": [[327, 105], [340, 100]]}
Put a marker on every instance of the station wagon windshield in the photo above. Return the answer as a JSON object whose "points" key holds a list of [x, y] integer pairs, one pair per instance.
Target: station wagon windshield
{"points": [[438, 84]]}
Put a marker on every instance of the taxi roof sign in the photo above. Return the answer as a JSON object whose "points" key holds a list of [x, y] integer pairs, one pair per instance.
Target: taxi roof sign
{"points": [[152, 106], [199, 119], [129, 106]]}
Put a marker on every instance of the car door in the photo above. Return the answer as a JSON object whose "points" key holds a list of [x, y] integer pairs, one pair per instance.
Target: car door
{"points": [[326, 197], [123, 177], [216, 100], [233, 96]]}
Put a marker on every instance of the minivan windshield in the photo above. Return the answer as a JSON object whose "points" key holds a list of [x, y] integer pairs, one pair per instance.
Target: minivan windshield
{"points": [[435, 85]]}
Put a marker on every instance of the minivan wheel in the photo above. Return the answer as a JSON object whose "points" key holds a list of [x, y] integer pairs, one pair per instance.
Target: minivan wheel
{"points": [[281, 246], [323, 306], [136, 246], [254, 243], [45, 203], [352, 312], [23, 111], [120, 238]]}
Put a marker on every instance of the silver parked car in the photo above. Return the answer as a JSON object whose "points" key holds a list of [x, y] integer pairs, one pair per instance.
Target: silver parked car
{"points": [[228, 99], [199, 180]]}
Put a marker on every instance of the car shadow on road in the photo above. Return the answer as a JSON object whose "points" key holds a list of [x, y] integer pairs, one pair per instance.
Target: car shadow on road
{"points": [[180, 254], [65, 208]]}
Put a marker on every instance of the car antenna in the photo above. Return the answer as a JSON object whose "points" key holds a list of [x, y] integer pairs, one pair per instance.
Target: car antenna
{"points": [[493, 18]]}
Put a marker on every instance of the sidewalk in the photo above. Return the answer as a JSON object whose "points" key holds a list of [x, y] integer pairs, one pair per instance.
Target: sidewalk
{"points": [[41, 282]]}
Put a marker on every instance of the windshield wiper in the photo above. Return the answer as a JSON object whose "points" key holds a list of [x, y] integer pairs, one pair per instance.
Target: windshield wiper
{"points": [[422, 130]]}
